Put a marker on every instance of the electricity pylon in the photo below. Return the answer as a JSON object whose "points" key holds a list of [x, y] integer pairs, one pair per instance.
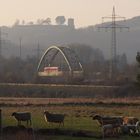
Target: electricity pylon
{"points": [[20, 47], [38, 51], [0, 44], [113, 26], [1, 33]]}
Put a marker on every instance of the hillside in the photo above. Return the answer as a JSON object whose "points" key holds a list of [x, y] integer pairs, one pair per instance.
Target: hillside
{"points": [[47, 35]]}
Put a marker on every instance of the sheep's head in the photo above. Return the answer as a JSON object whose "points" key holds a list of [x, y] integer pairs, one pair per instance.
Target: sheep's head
{"points": [[46, 112], [96, 117], [138, 124], [14, 113]]}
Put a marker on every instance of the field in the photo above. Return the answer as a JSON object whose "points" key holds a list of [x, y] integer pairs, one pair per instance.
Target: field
{"points": [[78, 112]]}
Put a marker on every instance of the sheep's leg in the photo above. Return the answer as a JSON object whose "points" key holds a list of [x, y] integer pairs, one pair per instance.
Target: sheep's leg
{"points": [[114, 132], [30, 122], [27, 122], [63, 124], [103, 133], [18, 123], [133, 131], [118, 131]]}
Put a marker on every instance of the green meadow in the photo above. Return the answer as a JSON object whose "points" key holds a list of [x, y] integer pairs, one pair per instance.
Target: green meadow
{"points": [[78, 116]]}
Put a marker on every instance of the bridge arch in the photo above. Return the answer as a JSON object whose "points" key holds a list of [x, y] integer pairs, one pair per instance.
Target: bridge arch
{"points": [[68, 54]]}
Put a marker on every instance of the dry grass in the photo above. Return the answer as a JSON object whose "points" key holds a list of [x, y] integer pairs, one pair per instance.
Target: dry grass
{"points": [[45, 101]]}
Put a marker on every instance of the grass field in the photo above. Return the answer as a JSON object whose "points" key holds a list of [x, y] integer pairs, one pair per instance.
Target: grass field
{"points": [[78, 112]]}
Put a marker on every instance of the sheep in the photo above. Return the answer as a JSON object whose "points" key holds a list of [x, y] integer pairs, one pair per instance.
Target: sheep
{"points": [[110, 125], [103, 120], [110, 130], [130, 120], [131, 128], [22, 116], [54, 118]]}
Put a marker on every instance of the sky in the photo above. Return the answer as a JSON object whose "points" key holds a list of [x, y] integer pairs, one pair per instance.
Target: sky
{"points": [[85, 12]]}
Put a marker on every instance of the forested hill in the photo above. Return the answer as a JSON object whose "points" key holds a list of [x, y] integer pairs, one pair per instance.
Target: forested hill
{"points": [[46, 35]]}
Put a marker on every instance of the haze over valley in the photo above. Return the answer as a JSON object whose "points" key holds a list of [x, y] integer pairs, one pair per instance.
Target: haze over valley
{"points": [[33, 35]]}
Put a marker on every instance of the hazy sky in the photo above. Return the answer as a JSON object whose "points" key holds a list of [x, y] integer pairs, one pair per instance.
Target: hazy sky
{"points": [[85, 12]]}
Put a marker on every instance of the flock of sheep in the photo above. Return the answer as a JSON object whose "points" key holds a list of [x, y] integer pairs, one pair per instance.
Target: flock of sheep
{"points": [[49, 117], [115, 125], [111, 125]]}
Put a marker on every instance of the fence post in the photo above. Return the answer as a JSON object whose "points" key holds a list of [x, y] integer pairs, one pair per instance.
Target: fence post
{"points": [[0, 123]]}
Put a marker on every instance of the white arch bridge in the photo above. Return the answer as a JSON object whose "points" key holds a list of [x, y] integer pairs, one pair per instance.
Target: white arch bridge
{"points": [[60, 62]]}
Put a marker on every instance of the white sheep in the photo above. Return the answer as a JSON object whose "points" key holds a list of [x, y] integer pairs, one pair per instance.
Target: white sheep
{"points": [[54, 118], [22, 116], [130, 120], [131, 128]]}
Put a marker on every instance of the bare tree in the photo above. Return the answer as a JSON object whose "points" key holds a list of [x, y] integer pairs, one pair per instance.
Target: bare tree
{"points": [[23, 22], [47, 21], [60, 20], [17, 22], [31, 23], [40, 21]]}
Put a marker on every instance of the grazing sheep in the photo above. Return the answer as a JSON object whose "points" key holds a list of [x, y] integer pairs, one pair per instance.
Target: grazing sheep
{"points": [[131, 128], [110, 130], [54, 118], [104, 120], [130, 120], [22, 116], [110, 124]]}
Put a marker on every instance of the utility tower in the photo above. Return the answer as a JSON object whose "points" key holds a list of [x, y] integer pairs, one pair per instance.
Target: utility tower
{"points": [[20, 47], [113, 26], [1, 33], [0, 44], [38, 51]]}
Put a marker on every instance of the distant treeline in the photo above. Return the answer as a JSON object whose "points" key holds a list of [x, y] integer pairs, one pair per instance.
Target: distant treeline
{"points": [[66, 91], [17, 70]]}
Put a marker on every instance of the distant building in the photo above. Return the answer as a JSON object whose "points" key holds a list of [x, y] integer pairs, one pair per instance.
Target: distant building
{"points": [[71, 23]]}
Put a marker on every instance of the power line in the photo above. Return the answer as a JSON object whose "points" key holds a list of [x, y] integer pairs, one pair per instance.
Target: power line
{"points": [[38, 51], [1, 33], [0, 44], [20, 47], [113, 26]]}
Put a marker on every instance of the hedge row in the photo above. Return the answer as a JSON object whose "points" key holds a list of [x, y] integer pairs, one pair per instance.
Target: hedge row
{"points": [[54, 91]]}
